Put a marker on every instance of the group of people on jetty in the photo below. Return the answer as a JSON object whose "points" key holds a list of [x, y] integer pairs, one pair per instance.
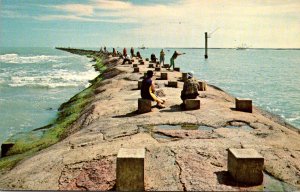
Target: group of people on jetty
{"points": [[148, 90]]}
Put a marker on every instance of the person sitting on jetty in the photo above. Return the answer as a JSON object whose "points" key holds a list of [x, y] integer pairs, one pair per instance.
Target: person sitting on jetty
{"points": [[162, 57], [190, 88], [126, 58], [148, 89], [132, 52], [174, 56], [153, 58], [138, 55]]}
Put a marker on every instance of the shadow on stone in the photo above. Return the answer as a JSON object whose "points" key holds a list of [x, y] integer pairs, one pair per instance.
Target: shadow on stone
{"points": [[131, 114], [173, 108], [224, 178]]}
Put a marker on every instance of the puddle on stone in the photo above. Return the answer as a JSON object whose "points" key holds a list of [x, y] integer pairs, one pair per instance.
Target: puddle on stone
{"points": [[244, 127], [184, 127]]}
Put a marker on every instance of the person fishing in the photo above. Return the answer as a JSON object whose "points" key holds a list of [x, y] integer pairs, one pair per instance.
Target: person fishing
{"points": [[174, 56], [148, 89]]}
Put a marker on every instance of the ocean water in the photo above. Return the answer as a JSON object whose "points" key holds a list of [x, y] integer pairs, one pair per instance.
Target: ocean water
{"points": [[34, 82]]}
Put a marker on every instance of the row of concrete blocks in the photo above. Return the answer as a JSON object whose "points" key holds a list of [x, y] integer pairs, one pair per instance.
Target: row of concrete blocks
{"points": [[244, 165], [245, 105]]}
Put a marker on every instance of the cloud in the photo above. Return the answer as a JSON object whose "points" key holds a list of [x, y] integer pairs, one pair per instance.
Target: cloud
{"points": [[77, 9]]}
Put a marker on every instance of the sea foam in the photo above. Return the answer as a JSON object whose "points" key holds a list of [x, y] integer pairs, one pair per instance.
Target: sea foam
{"points": [[17, 59]]}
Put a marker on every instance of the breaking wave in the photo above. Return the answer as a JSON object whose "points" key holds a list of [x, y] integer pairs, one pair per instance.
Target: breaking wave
{"points": [[54, 79], [17, 59]]}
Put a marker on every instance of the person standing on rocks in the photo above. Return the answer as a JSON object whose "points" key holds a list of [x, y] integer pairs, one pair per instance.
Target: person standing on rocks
{"points": [[174, 56], [162, 57], [124, 52], [132, 52], [148, 89]]}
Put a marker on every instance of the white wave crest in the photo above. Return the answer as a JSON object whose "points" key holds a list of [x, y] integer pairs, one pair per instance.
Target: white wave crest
{"points": [[61, 78], [16, 59]]}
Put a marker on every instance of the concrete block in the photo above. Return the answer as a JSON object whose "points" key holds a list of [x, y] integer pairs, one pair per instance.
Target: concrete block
{"points": [[166, 66], [134, 65], [245, 166], [157, 68], [243, 104], [173, 84], [191, 104], [130, 169], [140, 84], [202, 85], [151, 65], [144, 105], [184, 77], [176, 68], [164, 76], [5, 147]]}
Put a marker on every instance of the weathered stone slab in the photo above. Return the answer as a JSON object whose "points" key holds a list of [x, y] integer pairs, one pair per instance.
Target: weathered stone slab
{"points": [[144, 105], [157, 68], [184, 77], [176, 68], [130, 169], [173, 84], [134, 65], [245, 166], [191, 104], [243, 104], [166, 66], [136, 69], [140, 84], [151, 65], [164, 76], [202, 85]]}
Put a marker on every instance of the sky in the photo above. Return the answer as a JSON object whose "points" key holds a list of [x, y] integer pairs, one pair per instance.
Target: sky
{"points": [[153, 23]]}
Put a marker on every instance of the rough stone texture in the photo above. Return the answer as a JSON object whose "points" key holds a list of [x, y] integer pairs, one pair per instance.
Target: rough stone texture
{"points": [[157, 68], [242, 104], [177, 69], [164, 76], [191, 104], [144, 105], [202, 85], [130, 169], [176, 159], [173, 84], [246, 166], [136, 69]]}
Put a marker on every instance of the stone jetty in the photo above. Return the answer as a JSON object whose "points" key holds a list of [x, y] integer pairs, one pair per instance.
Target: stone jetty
{"points": [[185, 150]]}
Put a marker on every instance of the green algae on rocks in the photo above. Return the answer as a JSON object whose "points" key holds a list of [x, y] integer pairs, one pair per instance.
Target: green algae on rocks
{"points": [[23, 145]]}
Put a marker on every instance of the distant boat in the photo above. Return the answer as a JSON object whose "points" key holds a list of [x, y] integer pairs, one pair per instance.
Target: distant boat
{"points": [[242, 47], [143, 47]]}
